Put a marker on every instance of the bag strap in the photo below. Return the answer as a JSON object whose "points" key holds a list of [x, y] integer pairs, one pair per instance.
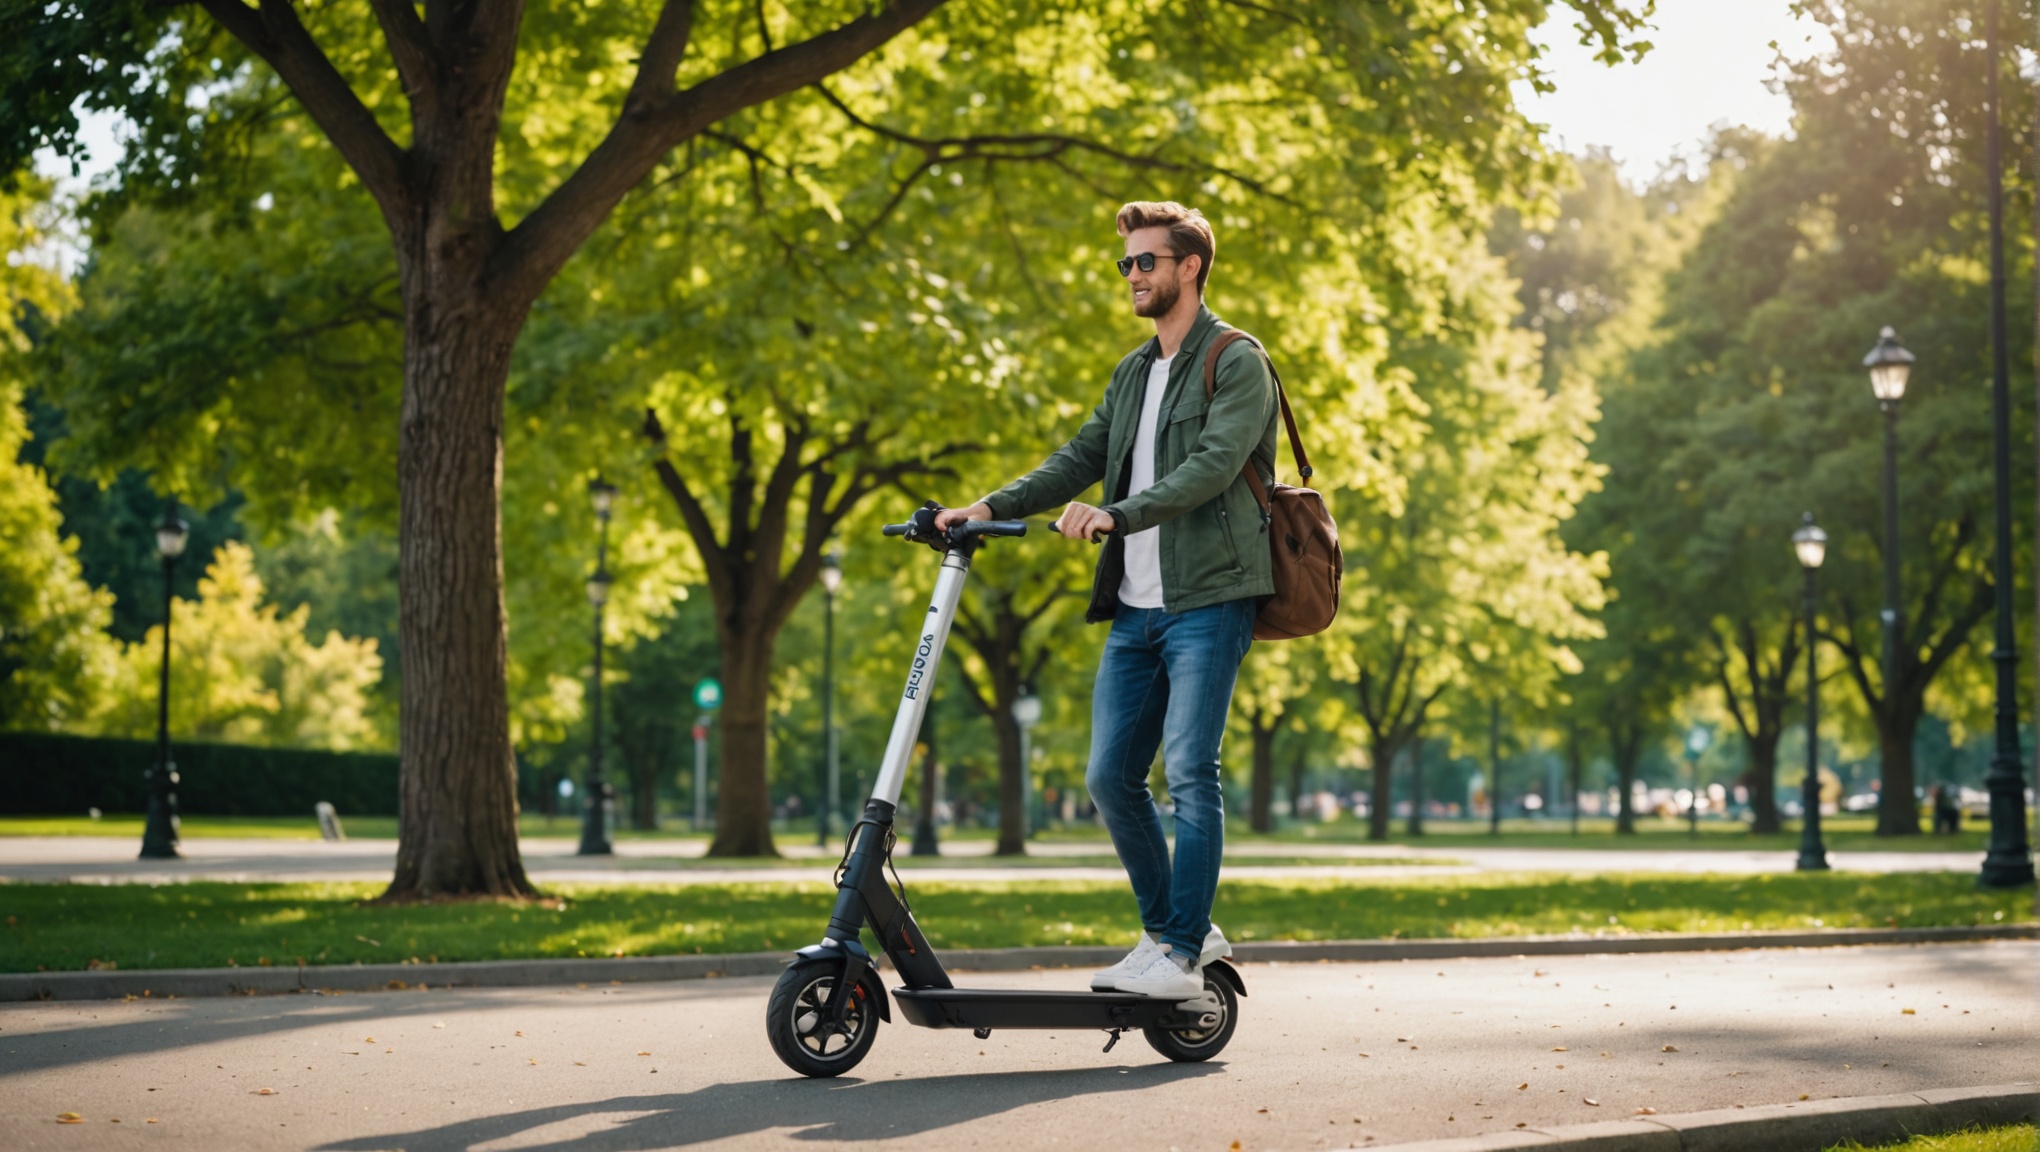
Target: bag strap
{"points": [[1219, 345]]}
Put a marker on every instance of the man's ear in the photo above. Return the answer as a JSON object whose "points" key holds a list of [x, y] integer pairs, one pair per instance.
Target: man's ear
{"points": [[1188, 268]]}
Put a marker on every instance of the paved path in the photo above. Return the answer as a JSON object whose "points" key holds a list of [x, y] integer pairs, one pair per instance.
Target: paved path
{"points": [[1327, 1055], [95, 859]]}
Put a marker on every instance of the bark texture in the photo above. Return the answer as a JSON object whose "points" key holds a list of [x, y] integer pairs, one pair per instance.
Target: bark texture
{"points": [[1261, 782], [1625, 747], [1393, 705]]}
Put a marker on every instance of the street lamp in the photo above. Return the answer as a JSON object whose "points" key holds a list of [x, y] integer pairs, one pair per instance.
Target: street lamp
{"points": [[1890, 364], [1810, 543], [159, 833], [594, 813], [1027, 713], [1696, 743], [832, 580], [2008, 862]]}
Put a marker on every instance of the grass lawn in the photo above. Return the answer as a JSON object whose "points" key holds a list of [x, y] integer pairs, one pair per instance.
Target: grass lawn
{"points": [[1843, 833], [2017, 1138], [72, 926]]}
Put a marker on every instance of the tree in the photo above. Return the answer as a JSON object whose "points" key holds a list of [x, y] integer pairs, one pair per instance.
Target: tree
{"points": [[468, 280], [55, 656]]}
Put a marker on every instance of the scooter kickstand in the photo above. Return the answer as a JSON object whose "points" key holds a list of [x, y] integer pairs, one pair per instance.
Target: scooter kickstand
{"points": [[1115, 1038]]}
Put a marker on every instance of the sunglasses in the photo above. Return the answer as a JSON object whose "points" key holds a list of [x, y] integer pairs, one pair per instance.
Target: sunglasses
{"points": [[1145, 261]]}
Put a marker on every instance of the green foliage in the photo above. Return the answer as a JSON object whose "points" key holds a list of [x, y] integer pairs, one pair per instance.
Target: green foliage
{"points": [[246, 674], [208, 924], [55, 658]]}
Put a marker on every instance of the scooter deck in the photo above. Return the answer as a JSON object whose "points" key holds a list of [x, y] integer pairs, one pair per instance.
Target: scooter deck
{"points": [[1028, 1008]]}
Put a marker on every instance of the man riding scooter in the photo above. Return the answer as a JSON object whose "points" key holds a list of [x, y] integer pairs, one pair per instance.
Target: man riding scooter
{"points": [[1185, 560]]}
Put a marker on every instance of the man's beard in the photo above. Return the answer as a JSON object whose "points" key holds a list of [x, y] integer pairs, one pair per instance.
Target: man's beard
{"points": [[1162, 296]]}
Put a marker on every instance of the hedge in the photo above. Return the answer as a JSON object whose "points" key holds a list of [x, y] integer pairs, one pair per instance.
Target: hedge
{"points": [[44, 775]]}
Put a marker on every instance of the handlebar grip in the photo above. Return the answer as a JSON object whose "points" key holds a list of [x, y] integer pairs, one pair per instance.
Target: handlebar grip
{"points": [[995, 527], [896, 529], [1097, 537]]}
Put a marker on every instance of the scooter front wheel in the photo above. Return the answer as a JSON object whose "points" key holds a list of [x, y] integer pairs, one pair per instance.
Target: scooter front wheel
{"points": [[796, 1019], [1190, 1045]]}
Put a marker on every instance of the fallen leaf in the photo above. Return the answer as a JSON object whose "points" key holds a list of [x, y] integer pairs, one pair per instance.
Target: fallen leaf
{"points": [[1235, 1146], [150, 1120], [1560, 1048], [1668, 1048], [644, 1053], [520, 1033], [1907, 1012], [1644, 1112], [1803, 1096], [1521, 1087], [1593, 1102], [265, 1092], [366, 940], [74, 1118], [1260, 1109], [584, 1064], [1369, 1055], [440, 1024], [1402, 1039], [534, 1061]]}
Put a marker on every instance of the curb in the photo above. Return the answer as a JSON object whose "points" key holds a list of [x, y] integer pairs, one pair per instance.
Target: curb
{"points": [[1808, 1127], [115, 984]]}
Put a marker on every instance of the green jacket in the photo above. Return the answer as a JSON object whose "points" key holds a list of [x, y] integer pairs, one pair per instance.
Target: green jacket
{"points": [[1214, 541]]}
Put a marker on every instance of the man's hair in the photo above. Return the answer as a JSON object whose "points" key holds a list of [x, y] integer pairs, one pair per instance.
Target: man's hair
{"points": [[1189, 231]]}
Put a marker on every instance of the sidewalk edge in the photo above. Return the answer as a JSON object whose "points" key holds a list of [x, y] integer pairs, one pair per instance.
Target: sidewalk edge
{"points": [[164, 982], [1804, 1127]]}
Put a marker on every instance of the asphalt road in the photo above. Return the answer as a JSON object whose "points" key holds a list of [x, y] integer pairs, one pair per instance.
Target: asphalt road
{"points": [[108, 860], [1327, 1055]]}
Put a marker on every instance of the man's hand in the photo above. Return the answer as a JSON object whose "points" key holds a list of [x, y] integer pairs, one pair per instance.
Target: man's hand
{"points": [[949, 517], [1081, 521]]}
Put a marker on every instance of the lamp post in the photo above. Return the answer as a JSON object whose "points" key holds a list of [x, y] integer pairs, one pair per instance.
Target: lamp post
{"points": [[1890, 365], [1697, 740], [1810, 544], [594, 817], [2008, 862], [832, 579], [159, 833], [1027, 713]]}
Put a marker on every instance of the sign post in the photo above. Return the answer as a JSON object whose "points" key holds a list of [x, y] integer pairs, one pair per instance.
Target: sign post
{"points": [[708, 698]]}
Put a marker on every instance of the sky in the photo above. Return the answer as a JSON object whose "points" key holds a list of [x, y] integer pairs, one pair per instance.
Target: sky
{"points": [[1709, 65]]}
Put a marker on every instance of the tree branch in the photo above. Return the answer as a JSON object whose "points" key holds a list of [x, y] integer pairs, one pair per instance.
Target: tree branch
{"points": [[543, 241], [274, 33], [660, 61]]}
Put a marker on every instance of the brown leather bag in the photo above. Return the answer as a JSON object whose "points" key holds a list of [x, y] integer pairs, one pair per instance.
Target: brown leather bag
{"points": [[1303, 539]]}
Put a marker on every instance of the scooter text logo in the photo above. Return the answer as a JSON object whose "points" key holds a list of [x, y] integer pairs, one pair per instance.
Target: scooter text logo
{"points": [[920, 666]]}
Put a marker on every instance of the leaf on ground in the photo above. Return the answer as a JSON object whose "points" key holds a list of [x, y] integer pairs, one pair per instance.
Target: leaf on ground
{"points": [[1645, 1111], [74, 1118], [1522, 1086], [366, 940], [1907, 1012], [264, 1092], [1804, 1096], [1593, 1103], [1560, 1048], [1668, 1048], [584, 1063], [534, 1060], [644, 1053]]}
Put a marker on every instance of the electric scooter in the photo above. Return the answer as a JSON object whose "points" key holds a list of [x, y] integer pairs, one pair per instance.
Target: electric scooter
{"points": [[825, 1009]]}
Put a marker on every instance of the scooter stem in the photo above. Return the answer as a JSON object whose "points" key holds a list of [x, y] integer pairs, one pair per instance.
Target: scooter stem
{"points": [[899, 750]]}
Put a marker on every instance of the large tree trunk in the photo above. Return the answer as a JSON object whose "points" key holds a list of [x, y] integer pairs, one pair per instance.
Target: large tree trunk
{"points": [[1624, 743], [1261, 782], [1381, 791], [457, 835], [743, 806], [1763, 783], [1898, 810], [1012, 790]]}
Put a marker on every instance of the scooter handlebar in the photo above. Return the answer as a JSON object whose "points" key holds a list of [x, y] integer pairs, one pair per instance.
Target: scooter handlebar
{"points": [[918, 530]]}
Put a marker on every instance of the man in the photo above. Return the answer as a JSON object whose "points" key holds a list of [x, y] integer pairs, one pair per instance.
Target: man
{"points": [[1185, 559]]}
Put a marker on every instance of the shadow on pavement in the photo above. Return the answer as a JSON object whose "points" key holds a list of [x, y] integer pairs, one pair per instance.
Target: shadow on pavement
{"points": [[842, 1109]]}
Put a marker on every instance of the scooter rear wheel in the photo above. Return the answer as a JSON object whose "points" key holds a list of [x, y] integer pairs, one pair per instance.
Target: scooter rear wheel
{"points": [[795, 1024], [1190, 1045]]}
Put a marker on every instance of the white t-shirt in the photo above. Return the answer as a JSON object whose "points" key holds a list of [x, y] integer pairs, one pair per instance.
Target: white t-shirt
{"points": [[1141, 586]]}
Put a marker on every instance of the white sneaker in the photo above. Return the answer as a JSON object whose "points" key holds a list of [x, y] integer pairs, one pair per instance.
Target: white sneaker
{"points": [[1163, 977], [1132, 962], [1216, 947]]}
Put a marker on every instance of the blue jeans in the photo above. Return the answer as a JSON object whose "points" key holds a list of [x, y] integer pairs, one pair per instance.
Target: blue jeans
{"points": [[1166, 681]]}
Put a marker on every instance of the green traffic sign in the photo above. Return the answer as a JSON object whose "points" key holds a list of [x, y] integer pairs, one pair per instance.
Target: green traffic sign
{"points": [[708, 695]]}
